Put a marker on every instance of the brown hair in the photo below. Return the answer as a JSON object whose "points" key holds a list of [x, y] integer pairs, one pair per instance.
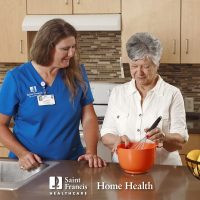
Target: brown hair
{"points": [[43, 45]]}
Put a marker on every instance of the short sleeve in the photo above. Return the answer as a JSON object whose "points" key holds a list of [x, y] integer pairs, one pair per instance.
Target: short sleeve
{"points": [[178, 116], [88, 97], [9, 98]]}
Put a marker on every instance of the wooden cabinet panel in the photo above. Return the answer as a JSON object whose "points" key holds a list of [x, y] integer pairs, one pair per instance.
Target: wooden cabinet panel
{"points": [[49, 7], [190, 31], [96, 6], [161, 18], [73, 6], [13, 41], [174, 22]]}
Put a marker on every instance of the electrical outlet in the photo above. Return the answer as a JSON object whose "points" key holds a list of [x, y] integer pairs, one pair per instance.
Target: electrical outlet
{"points": [[189, 104]]}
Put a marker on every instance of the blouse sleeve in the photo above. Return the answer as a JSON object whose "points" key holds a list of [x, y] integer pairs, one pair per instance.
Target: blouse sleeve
{"points": [[109, 123], [178, 118]]}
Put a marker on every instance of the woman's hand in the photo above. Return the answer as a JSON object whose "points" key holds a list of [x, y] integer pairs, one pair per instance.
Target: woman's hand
{"points": [[119, 140], [93, 160], [28, 161], [156, 135]]}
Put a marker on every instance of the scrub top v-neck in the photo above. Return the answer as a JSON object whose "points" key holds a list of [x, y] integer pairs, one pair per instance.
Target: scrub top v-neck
{"points": [[39, 78], [51, 131]]}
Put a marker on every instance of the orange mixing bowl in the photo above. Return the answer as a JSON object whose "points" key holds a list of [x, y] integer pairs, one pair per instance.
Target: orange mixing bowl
{"points": [[136, 161]]}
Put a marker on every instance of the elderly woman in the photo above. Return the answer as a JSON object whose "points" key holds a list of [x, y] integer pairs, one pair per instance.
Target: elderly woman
{"points": [[134, 106], [48, 97]]}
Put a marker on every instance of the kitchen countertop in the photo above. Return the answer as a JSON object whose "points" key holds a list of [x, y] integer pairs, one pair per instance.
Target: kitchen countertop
{"points": [[162, 182]]}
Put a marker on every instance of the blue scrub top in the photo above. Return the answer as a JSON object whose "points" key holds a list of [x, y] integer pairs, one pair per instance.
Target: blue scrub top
{"points": [[51, 131]]}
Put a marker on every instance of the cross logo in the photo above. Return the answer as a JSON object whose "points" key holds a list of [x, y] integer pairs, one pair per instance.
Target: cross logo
{"points": [[55, 182]]}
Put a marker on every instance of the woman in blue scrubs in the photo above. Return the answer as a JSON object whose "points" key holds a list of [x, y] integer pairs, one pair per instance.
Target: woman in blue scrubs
{"points": [[47, 97]]}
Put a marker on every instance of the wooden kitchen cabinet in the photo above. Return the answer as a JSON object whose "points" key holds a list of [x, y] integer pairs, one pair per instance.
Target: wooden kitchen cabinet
{"points": [[161, 18], [49, 7], [13, 42], [96, 6], [174, 22], [73, 6], [190, 31]]}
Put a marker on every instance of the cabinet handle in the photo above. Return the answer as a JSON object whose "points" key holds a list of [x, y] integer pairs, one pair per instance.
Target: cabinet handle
{"points": [[20, 47], [66, 2], [186, 46], [78, 1], [174, 47]]}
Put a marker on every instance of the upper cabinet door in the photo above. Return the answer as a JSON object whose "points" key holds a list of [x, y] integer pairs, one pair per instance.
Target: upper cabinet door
{"points": [[13, 42], [190, 31], [161, 18], [96, 6], [79, 6], [55, 7]]}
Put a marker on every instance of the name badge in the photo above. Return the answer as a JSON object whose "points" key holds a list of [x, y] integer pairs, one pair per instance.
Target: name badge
{"points": [[44, 100]]}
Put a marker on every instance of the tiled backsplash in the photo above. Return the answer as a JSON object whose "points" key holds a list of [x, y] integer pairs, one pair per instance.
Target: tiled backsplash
{"points": [[100, 52], [186, 77]]}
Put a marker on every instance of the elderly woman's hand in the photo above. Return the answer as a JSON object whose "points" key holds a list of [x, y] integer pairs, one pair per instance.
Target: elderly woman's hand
{"points": [[93, 160], [156, 135], [119, 140]]}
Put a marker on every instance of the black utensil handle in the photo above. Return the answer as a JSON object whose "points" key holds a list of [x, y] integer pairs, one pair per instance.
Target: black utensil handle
{"points": [[155, 124]]}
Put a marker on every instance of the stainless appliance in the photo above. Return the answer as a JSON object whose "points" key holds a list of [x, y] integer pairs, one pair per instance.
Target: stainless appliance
{"points": [[101, 92]]}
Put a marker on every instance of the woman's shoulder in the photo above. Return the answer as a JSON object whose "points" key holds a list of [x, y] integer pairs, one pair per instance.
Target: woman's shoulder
{"points": [[19, 69], [121, 90], [119, 98], [169, 88], [121, 87]]}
